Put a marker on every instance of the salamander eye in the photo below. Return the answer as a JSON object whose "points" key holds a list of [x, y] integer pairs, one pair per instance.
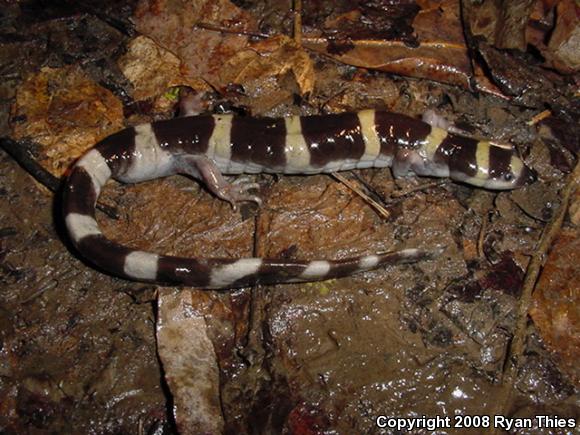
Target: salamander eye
{"points": [[508, 177]]}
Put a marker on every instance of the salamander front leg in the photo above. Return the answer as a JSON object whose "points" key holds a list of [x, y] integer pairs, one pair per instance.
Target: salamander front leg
{"points": [[405, 162], [205, 169]]}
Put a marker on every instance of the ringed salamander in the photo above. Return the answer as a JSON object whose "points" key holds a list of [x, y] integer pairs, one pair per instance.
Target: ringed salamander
{"points": [[205, 147]]}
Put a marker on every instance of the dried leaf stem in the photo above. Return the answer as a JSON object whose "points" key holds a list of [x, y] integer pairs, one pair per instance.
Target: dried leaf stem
{"points": [[356, 189], [216, 28], [20, 153], [298, 21]]}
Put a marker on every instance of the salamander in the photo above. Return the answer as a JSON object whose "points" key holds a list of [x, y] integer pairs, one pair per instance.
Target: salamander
{"points": [[206, 147]]}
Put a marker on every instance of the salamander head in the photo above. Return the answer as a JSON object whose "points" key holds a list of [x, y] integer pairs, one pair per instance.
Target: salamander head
{"points": [[496, 167]]}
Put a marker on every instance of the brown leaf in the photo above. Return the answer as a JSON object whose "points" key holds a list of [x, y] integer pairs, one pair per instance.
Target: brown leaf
{"points": [[556, 301], [172, 24], [517, 24], [564, 45], [152, 69], [530, 85], [502, 24], [440, 55], [189, 364], [382, 20], [65, 111], [269, 58], [427, 61]]}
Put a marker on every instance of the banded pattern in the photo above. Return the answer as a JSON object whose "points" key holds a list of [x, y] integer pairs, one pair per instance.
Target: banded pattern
{"points": [[206, 147]]}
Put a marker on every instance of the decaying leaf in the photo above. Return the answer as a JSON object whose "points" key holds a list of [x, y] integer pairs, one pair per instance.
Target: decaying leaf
{"points": [[552, 26], [424, 62], [440, 53], [563, 142], [172, 24], [223, 58], [564, 45], [67, 112], [503, 24], [152, 69], [190, 365], [267, 58], [556, 301], [379, 20], [440, 58], [529, 85], [554, 29]]}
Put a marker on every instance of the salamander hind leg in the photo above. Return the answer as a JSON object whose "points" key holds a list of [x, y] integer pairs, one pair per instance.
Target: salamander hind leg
{"points": [[205, 170]]}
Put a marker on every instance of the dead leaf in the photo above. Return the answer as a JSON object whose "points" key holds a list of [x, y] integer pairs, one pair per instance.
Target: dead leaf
{"points": [[556, 300], [515, 25], [152, 69], [503, 24], [564, 45], [267, 58], [380, 20], [172, 25], [440, 54], [189, 363], [391, 56], [65, 111]]}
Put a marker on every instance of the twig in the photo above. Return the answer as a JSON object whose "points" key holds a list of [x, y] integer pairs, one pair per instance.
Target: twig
{"points": [[539, 117], [481, 237], [52, 283], [517, 346], [470, 42], [356, 189], [298, 21], [323, 41], [20, 152], [216, 28], [414, 189], [115, 23]]}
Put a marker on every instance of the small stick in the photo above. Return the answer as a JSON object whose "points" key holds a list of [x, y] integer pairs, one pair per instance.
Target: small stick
{"points": [[298, 21], [216, 28], [481, 237], [43, 288], [406, 192], [21, 154], [356, 189], [539, 117], [115, 23]]}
